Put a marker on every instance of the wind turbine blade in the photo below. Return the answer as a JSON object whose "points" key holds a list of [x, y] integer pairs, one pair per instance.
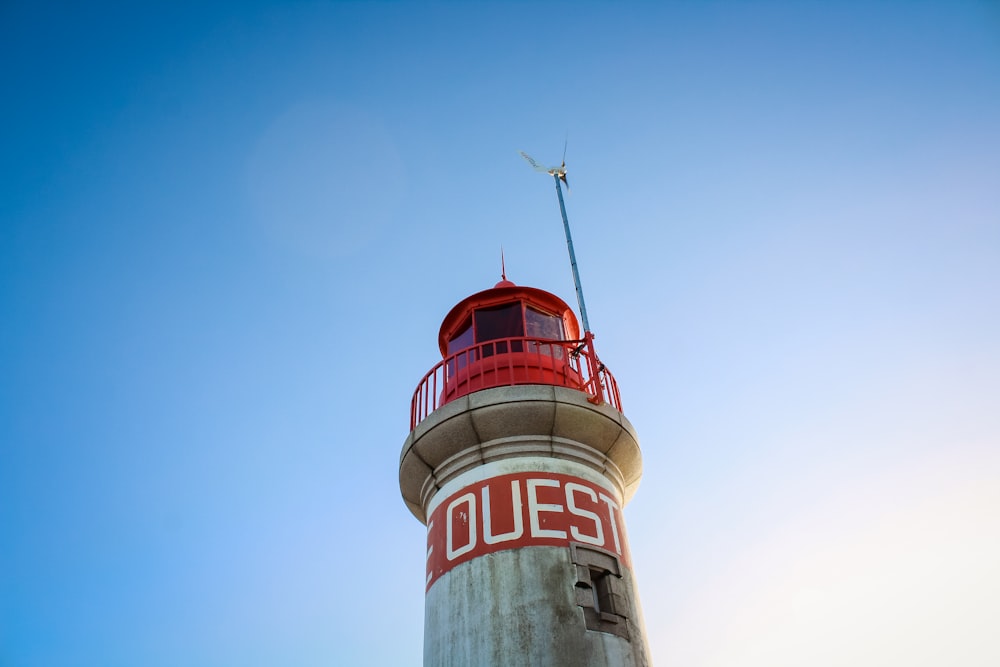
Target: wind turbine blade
{"points": [[534, 165]]}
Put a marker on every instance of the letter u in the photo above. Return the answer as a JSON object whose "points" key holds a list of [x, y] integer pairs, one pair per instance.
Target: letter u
{"points": [[515, 494]]}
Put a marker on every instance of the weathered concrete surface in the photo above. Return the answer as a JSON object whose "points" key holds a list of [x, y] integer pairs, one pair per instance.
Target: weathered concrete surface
{"points": [[518, 608]]}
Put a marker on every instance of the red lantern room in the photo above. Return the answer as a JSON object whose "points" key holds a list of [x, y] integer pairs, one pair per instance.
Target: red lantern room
{"points": [[512, 335]]}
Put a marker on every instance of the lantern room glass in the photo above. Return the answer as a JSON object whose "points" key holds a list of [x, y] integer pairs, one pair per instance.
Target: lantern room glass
{"points": [[462, 339], [499, 322], [539, 324]]}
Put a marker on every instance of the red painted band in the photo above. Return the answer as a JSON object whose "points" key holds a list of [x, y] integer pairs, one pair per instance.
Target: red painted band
{"points": [[521, 510]]}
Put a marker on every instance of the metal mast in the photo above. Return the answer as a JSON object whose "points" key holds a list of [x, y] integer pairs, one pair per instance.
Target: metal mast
{"points": [[557, 176]]}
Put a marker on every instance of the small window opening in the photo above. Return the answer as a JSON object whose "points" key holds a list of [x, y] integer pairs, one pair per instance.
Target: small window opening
{"points": [[600, 590], [595, 577]]}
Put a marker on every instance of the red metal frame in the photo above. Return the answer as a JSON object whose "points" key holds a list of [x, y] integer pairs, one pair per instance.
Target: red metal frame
{"points": [[513, 361]]}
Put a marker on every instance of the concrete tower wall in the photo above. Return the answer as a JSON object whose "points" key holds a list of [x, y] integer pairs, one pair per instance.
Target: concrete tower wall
{"points": [[527, 563]]}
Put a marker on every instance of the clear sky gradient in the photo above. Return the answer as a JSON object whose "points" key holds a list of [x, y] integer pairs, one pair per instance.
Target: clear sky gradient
{"points": [[229, 233]]}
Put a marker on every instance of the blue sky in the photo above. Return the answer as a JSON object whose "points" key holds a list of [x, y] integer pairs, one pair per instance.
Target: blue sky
{"points": [[229, 233]]}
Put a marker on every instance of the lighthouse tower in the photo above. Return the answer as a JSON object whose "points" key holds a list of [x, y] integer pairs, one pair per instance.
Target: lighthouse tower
{"points": [[519, 462]]}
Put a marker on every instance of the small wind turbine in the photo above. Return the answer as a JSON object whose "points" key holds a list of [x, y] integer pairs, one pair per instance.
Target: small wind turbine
{"points": [[559, 174]]}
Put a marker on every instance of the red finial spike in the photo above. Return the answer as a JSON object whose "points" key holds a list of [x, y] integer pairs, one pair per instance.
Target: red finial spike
{"points": [[503, 273]]}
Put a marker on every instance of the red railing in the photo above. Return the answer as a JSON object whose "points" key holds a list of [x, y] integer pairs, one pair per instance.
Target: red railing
{"points": [[513, 361]]}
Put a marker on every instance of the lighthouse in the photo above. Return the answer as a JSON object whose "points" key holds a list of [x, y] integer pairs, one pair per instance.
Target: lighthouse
{"points": [[520, 461]]}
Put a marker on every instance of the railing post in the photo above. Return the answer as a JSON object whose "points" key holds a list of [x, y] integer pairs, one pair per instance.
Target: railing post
{"points": [[595, 367]]}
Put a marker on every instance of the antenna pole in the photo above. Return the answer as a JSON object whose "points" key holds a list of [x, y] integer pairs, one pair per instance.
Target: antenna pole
{"points": [[572, 257]]}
